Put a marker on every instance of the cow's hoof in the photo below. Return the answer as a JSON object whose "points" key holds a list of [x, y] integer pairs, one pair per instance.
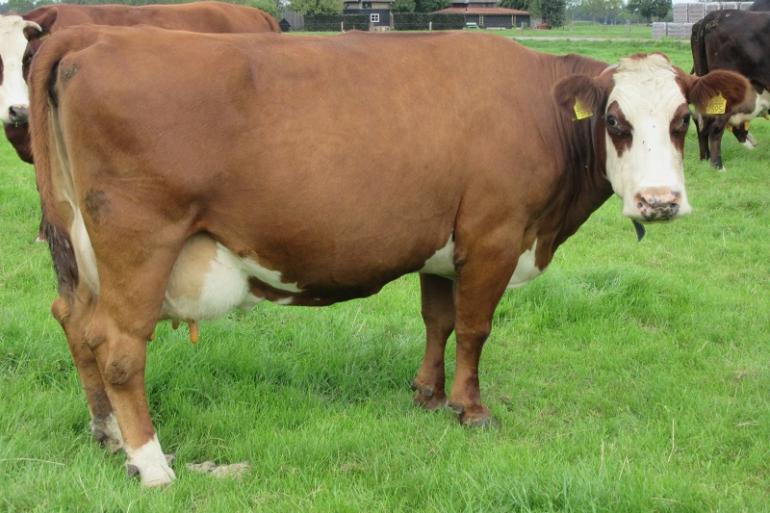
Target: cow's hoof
{"points": [[152, 476], [476, 417], [107, 433], [427, 397]]}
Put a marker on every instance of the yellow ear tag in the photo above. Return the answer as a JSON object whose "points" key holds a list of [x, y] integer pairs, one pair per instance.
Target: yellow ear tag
{"points": [[716, 105], [581, 112]]}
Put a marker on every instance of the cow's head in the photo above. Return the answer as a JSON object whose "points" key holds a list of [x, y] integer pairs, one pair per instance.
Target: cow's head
{"points": [[14, 98], [641, 112]]}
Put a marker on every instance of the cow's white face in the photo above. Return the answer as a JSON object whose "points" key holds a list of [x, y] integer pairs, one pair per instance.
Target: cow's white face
{"points": [[14, 97], [641, 115], [646, 120]]}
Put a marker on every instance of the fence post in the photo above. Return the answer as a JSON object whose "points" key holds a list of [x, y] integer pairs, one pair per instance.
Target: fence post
{"points": [[342, 26], [430, 26]]}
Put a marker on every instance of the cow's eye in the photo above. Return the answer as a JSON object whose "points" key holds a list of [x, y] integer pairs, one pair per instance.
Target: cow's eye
{"points": [[615, 127]]}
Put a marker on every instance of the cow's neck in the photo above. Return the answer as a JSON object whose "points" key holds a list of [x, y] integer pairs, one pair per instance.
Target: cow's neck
{"points": [[582, 188]]}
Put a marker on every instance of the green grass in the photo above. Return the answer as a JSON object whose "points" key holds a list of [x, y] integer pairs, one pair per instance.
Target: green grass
{"points": [[630, 377]]}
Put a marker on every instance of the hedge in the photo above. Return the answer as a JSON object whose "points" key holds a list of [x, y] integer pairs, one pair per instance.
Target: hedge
{"points": [[421, 21], [331, 22]]}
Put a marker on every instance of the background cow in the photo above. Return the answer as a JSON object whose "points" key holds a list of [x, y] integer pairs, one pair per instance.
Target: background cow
{"points": [[737, 41], [214, 17], [465, 174]]}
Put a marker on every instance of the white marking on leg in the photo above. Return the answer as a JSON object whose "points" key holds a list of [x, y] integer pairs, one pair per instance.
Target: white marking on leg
{"points": [[441, 263], [107, 432], [151, 463], [526, 269]]}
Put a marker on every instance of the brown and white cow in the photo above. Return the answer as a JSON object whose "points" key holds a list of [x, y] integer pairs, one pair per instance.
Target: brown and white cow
{"points": [[213, 17], [737, 41], [183, 175]]}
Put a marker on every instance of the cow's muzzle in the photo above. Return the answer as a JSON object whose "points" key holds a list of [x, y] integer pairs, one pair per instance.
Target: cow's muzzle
{"points": [[18, 114], [658, 204]]}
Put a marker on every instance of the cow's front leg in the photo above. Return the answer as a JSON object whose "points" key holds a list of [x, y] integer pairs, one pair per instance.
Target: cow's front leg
{"points": [[72, 312], [481, 281], [702, 125], [121, 357], [438, 313], [716, 130]]}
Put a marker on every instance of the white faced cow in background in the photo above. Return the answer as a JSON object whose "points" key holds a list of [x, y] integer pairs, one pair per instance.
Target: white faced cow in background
{"points": [[191, 188], [14, 98]]}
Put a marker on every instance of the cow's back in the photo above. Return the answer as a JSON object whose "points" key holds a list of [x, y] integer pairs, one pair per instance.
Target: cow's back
{"points": [[212, 17], [737, 41]]}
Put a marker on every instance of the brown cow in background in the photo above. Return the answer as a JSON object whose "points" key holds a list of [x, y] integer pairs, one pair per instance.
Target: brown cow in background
{"points": [[212, 17]]}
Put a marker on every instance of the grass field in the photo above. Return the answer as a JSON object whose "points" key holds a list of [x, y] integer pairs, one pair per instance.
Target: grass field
{"points": [[630, 377]]}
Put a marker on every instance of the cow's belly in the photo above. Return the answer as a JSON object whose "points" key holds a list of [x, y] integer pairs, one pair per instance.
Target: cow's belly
{"points": [[442, 264]]}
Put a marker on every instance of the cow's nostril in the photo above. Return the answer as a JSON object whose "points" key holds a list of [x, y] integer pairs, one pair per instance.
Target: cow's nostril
{"points": [[18, 114]]}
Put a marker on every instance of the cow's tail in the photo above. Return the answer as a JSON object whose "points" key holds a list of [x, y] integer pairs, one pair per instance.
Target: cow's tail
{"points": [[44, 128], [698, 47]]}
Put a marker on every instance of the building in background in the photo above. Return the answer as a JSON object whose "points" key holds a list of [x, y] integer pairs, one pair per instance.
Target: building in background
{"points": [[486, 14], [378, 10]]}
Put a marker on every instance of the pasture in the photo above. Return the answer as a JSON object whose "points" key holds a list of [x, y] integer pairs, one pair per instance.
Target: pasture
{"points": [[630, 377]]}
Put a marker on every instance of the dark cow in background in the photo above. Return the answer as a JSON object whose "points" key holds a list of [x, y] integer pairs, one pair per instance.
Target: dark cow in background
{"points": [[213, 17], [738, 41], [467, 175]]}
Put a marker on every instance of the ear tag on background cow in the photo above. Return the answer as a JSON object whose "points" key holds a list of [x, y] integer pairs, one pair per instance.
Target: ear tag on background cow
{"points": [[640, 231], [581, 112], [716, 105]]}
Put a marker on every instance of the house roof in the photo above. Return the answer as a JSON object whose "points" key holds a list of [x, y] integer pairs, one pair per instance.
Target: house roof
{"points": [[484, 11]]}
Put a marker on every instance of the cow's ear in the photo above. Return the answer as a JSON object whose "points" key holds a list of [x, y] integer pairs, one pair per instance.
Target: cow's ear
{"points": [[580, 96], [32, 30], [720, 92], [39, 23]]}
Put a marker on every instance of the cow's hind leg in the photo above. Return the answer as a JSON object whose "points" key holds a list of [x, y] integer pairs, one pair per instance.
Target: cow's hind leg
{"points": [[132, 286], [120, 353], [438, 313], [481, 281], [73, 312]]}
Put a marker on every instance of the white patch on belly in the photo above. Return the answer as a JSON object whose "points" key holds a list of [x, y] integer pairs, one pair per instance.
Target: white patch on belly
{"points": [[526, 269], [442, 263], [151, 463], [284, 301], [84, 251], [268, 276]]}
